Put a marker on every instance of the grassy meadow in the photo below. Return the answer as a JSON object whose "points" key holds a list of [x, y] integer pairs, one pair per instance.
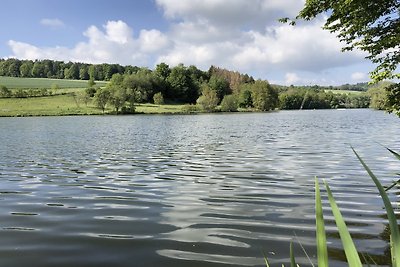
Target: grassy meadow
{"points": [[55, 105], [39, 83], [61, 105], [62, 101], [348, 92]]}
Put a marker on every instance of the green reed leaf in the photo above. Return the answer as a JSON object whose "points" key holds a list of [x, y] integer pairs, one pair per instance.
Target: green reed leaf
{"points": [[292, 259], [397, 155], [394, 228], [322, 251], [350, 250], [266, 259], [392, 185]]}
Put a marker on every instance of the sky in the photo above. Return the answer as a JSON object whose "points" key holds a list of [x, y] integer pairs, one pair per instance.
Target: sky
{"points": [[239, 35]]}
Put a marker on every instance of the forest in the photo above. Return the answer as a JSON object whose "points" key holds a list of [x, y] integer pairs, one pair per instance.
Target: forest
{"points": [[213, 90]]}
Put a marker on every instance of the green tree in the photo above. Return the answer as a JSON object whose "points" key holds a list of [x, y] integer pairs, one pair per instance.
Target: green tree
{"points": [[229, 103], [38, 70], [83, 73], [158, 98], [182, 87], [208, 100], [101, 98], [13, 68], [25, 69], [117, 97], [245, 100], [72, 72], [141, 85], [163, 71], [393, 98], [370, 25], [264, 96], [220, 85]]}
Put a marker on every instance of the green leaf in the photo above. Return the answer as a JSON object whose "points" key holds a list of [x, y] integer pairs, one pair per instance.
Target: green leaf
{"points": [[392, 185], [350, 250], [266, 260], [397, 155], [394, 228], [322, 250], [292, 259]]}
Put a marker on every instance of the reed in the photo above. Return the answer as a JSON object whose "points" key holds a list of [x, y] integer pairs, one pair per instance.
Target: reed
{"points": [[352, 255]]}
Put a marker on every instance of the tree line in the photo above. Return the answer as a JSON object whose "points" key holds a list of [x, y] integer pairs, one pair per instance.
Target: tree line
{"points": [[211, 90]]}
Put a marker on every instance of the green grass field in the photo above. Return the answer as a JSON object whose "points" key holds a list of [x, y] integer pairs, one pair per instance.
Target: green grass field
{"points": [[15, 83], [345, 92], [44, 106], [61, 105], [159, 109]]}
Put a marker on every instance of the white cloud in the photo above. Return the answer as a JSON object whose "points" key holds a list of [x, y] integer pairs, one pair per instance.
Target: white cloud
{"points": [[118, 31], [152, 41], [291, 78], [359, 76], [52, 23]]}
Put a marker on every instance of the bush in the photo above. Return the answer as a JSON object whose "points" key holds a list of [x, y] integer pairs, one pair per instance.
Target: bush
{"points": [[190, 108], [158, 99], [229, 103], [91, 91], [208, 101], [4, 91]]}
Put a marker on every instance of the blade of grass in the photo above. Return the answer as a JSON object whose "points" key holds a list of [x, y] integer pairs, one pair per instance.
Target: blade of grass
{"points": [[322, 250], [394, 228], [397, 155], [350, 250], [266, 259], [304, 250], [292, 259], [393, 185]]}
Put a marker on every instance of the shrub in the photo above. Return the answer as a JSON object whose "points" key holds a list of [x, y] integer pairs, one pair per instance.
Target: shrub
{"points": [[229, 103], [158, 99]]}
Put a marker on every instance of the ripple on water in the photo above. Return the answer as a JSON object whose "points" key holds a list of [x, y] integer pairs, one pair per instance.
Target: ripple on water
{"points": [[188, 190]]}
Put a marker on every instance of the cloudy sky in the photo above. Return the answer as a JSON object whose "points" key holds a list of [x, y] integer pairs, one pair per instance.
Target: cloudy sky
{"points": [[240, 35]]}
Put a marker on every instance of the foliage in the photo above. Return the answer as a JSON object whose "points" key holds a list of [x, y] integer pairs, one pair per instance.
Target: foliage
{"points": [[91, 91], [208, 100], [188, 108], [229, 103], [102, 97], [158, 98], [352, 255], [234, 78], [316, 98], [264, 97], [182, 86], [219, 85], [378, 97], [372, 26], [393, 98], [245, 100], [4, 91]]}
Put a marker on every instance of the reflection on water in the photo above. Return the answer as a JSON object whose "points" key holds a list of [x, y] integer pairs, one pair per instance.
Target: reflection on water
{"points": [[202, 190]]}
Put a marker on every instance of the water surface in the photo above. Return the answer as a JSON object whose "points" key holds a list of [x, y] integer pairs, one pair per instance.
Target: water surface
{"points": [[198, 190]]}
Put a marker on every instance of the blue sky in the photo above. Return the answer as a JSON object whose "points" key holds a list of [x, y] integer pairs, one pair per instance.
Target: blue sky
{"points": [[240, 35]]}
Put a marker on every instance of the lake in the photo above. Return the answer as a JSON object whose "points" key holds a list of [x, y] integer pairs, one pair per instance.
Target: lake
{"points": [[189, 190]]}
